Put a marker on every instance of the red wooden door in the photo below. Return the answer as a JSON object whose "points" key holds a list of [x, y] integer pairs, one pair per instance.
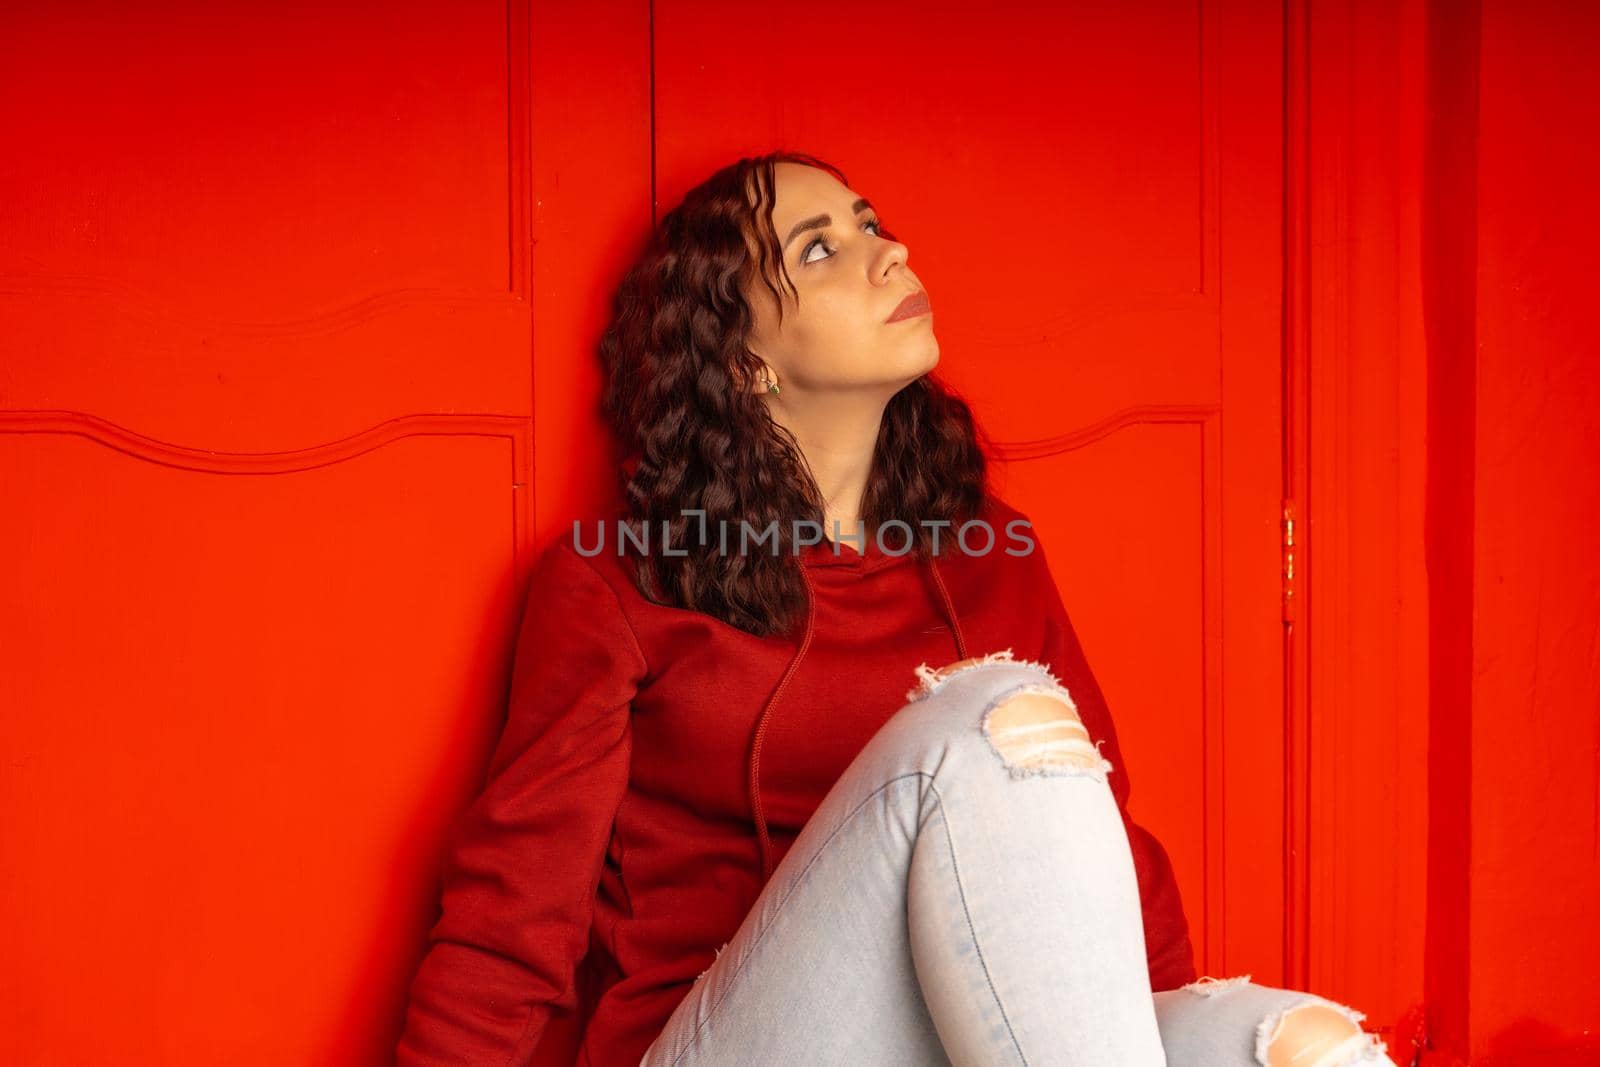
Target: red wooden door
{"points": [[1092, 195], [265, 460]]}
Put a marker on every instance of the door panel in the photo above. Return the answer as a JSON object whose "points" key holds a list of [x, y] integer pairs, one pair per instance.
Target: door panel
{"points": [[1091, 194], [265, 458]]}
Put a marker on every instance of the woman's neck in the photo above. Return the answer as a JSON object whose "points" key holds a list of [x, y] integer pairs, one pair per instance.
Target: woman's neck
{"points": [[839, 442]]}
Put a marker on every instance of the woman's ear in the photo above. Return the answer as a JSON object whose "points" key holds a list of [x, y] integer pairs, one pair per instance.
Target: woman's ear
{"points": [[764, 378]]}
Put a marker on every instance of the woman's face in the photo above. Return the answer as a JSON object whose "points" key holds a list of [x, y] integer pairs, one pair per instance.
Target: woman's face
{"points": [[836, 337]]}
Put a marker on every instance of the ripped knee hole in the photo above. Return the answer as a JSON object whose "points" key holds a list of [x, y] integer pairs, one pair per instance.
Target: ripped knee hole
{"points": [[1037, 730], [1316, 1035], [1314, 1032]]}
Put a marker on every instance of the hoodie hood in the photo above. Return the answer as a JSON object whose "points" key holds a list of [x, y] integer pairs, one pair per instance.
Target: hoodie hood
{"points": [[821, 556]]}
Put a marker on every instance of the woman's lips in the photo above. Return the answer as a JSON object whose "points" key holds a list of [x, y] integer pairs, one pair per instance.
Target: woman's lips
{"points": [[912, 306]]}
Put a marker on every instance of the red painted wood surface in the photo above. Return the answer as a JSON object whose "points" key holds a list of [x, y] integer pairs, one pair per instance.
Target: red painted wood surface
{"points": [[1532, 757], [1108, 294], [296, 375]]}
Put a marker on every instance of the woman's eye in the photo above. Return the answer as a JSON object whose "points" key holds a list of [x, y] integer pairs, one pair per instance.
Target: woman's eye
{"points": [[806, 257]]}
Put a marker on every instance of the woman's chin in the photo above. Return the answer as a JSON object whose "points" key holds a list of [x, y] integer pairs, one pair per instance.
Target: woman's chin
{"points": [[910, 365]]}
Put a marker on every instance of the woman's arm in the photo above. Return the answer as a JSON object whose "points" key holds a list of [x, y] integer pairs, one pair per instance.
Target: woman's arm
{"points": [[524, 862]]}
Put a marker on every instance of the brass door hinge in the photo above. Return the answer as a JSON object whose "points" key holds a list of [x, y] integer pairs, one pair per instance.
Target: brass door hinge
{"points": [[1291, 571]]}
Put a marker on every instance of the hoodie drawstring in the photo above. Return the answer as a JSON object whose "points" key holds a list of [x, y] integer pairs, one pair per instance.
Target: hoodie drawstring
{"points": [[763, 838], [949, 609]]}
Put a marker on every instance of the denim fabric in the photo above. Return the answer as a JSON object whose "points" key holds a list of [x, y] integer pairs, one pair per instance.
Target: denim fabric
{"points": [[950, 902]]}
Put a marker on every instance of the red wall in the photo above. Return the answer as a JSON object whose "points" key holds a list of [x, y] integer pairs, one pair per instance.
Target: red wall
{"points": [[1536, 526], [1513, 511], [274, 447]]}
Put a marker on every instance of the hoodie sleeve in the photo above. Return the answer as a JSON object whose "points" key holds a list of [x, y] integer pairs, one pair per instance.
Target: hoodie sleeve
{"points": [[1166, 931], [524, 859]]}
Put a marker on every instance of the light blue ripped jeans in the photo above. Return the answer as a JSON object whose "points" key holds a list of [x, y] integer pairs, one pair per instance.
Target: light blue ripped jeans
{"points": [[965, 894]]}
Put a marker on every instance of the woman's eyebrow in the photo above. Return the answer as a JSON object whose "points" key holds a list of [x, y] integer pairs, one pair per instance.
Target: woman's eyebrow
{"points": [[816, 222]]}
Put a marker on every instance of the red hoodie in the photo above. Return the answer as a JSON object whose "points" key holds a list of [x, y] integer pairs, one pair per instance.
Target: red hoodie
{"points": [[651, 753]]}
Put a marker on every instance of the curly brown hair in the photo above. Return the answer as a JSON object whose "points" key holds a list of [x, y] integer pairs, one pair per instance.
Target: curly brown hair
{"points": [[675, 365]]}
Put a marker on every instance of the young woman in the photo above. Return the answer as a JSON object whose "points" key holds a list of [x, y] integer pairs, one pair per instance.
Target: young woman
{"points": [[735, 817]]}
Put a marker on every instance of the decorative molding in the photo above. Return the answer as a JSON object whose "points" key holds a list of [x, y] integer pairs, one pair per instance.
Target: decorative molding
{"points": [[519, 148], [1143, 414], [516, 430]]}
